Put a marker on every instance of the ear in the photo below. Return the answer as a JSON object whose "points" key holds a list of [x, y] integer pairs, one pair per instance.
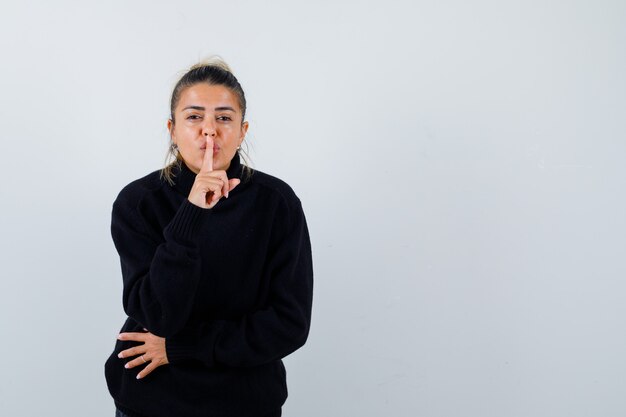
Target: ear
{"points": [[244, 130], [170, 128]]}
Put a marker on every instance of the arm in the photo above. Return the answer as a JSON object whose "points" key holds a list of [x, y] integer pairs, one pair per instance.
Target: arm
{"points": [[269, 334], [160, 277]]}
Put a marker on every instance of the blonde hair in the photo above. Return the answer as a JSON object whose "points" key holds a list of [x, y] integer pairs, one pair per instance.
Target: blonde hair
{"points": [[213, 71]]}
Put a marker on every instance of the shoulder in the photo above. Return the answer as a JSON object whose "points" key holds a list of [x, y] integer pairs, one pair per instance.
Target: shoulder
{"points": [[287, 207], [276, 186], [131, 194]]}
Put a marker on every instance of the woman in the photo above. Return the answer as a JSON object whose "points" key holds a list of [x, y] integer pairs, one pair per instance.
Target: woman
{"points": [[217, 269]]}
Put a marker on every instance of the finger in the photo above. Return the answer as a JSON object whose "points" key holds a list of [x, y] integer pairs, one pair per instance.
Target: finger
{"points": [[207, 162], [135, 362], [232, 183], [132, 336], [213, 201], [149, 368], [226, 186], [221, 175], [127, 353], [214, 192]]}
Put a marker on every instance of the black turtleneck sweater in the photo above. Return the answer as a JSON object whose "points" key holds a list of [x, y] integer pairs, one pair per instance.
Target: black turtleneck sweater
{"points": [[229, 288]]}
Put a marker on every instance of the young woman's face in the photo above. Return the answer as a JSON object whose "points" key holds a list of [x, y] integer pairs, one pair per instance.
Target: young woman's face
{"points": [[211, 110]]}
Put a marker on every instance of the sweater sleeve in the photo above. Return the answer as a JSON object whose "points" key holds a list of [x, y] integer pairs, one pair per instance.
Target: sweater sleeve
{"points": [[269, 334], [160, 277]]}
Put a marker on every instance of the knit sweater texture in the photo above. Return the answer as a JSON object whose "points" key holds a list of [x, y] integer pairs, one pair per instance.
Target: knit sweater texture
{"points": [[229, 288]]}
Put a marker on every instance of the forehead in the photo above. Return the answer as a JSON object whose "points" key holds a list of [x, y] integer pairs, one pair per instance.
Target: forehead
{"points": [[208, 96]]}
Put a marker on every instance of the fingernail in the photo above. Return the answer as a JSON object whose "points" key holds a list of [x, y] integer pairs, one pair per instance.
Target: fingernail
{"points": [[119, 355], [126, 366], [138, 377], [226, 195], [119, 336]]}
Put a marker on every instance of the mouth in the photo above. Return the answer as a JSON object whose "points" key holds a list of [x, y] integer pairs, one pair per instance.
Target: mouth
{"points": [[215, 148]]}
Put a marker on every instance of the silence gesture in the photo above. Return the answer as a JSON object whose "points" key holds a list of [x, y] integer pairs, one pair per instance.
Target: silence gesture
{"points": [[210, 185]]}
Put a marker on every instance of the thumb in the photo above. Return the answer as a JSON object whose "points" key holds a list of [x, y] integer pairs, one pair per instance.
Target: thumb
{"points": [[232, 183]]}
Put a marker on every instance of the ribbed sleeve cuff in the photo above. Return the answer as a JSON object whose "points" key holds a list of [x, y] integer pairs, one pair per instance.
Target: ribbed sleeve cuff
{"points": [[178, 351], [186, 223], [199, 345]]}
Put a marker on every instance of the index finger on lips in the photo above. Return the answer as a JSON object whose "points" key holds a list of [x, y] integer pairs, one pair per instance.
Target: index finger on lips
{"points": [[207, 163]]}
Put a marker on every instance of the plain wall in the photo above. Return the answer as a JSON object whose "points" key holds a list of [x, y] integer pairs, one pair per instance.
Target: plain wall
{"points": [[460, 165]]}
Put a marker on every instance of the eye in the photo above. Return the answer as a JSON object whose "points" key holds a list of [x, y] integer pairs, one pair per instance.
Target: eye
{"points": [[224, 118], [193, 117]]}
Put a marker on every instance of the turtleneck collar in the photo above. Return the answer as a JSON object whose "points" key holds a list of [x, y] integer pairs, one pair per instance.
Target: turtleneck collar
{"points": [[185, 177]]}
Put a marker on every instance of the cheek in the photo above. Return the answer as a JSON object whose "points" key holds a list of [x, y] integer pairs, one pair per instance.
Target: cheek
{"points": [[187, 133], [234, 132]]}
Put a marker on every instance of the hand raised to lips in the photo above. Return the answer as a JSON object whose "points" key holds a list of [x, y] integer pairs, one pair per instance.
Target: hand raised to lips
{"points": [[209, 185]]}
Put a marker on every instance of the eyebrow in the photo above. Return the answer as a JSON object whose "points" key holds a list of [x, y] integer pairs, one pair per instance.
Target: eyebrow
{"points": [[203, 108]]}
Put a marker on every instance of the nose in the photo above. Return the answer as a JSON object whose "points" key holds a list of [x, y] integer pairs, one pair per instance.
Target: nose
{"points": [[209, 129]]}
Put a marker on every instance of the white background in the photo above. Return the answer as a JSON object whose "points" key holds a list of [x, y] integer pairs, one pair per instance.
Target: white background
{"points": [[460, 164]]}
